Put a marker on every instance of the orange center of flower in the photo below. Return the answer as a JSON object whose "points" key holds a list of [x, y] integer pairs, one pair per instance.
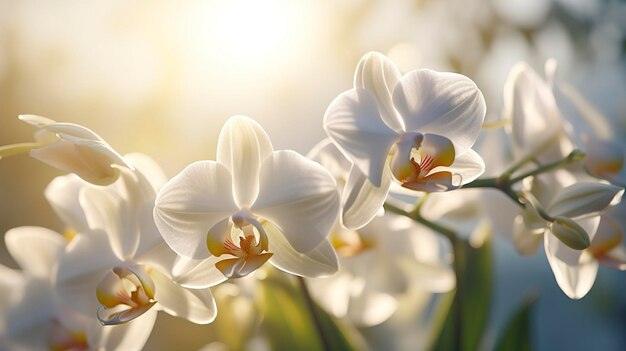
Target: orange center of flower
{"points": [[250, 254], [125, 293], [416, 155]]}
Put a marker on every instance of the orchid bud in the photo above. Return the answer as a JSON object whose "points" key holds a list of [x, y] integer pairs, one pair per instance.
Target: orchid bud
{"points": [[570, 233], [584, 199]]}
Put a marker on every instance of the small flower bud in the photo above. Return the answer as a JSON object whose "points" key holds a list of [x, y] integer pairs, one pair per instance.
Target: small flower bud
{"points": [[570, 233]]}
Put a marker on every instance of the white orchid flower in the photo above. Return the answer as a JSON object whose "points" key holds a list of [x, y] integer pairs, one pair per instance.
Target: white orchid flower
{"points": [[71, 148], [34, 316], [417, 129], [574, 242], [537, 125], [119, 266], [592, 132], [251, 206], [387, 259]]}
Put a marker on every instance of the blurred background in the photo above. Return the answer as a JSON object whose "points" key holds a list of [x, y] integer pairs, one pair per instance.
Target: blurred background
{"points": [[161, 77]]}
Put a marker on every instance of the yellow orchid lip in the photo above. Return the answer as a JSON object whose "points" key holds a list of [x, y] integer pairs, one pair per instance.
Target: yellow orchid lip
{"points": [[416, 159], [251, 251], [125, 293]]}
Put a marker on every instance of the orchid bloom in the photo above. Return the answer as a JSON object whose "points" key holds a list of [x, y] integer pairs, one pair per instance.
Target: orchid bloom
{"points": [[117, 266], [251, 206], [71, 148], [417, 129], [35, 316], [574, 241], [389, 258], [592, 132]]}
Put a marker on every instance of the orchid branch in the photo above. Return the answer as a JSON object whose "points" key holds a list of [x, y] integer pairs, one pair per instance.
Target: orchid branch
{"points": [[506, 179]]}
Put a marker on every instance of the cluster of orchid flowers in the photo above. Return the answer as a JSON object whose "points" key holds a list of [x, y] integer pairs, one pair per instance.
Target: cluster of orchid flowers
{"points": [[343, 217]]}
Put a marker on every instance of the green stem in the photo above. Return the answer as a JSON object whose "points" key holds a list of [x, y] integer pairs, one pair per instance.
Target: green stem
{"points": [[458, 247], [326, 344], [504, 181], [574, 156], [16, 149]]}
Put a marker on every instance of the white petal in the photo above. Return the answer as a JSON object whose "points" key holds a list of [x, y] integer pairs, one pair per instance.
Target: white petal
{"points": [[197, 306], [361, 200], [35, 249], [107, 211], [131, 336], [378, 75], [447, 104], [468, 166], [526, 241], [353, 123], [63, 195], [89, 159], [35, 308], [241, 148], [87, 259], [300, 196], [576, 277], [328, 155], [197, 274], [190, 204], [530, 105], [148, 168], [319, 262], [584, 199]]}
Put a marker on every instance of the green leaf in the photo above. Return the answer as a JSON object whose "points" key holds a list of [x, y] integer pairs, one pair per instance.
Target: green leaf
{"points": [[517, 334], [287, 321], [464, 328]]}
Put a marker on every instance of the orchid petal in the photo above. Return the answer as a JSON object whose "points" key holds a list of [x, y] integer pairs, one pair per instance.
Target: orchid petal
{"points": [[530, 105], [63, 195], [319, 262], [468, 166], [65, 156], [299, 196], [241, 148], [378, 75], [197, 274], [614, 259], [328, 155], [446, 104], [434, 182], [197, 306], [584, 199], [190, 204], [107, 211], [575, 277], [361, 199], [131, 336], [35, 249], [526, 241], [87, 260], [148, 168], [354, 124], [35, 308]]}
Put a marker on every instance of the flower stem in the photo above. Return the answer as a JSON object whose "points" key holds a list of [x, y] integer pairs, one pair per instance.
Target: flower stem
{"points": [[458, 247], [574, 156], [326, 344], [505, 180], [16, 149]]}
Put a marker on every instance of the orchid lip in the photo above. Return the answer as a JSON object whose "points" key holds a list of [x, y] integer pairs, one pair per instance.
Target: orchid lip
{"points": [[248, 247], [125, 293], [416, 159]]}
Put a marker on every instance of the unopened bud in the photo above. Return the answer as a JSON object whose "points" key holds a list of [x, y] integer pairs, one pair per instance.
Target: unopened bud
{"points": [[570, 233]]}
